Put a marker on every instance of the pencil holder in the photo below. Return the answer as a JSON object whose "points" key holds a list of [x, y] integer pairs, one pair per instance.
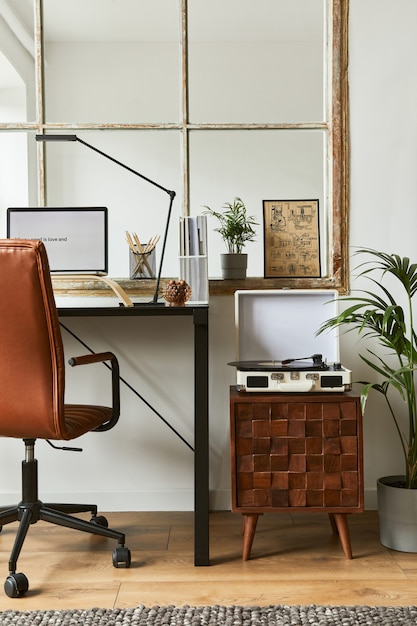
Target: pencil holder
{"points": [[142, 264]]}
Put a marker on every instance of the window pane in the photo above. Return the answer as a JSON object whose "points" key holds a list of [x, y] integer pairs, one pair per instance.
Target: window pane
{"points": [[17, 63], [256, 166], [109, 61], [16, 149], [77, 176], [256, 61]]}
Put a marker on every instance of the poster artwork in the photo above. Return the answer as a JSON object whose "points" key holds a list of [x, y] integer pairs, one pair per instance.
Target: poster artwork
{"points": [[292, 238]]}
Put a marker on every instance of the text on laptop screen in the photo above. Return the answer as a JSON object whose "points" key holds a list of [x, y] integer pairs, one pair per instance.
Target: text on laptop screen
{"points": [[75, 238]]}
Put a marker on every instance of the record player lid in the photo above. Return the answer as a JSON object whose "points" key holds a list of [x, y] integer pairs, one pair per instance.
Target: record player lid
{"points": [[274, 324]]}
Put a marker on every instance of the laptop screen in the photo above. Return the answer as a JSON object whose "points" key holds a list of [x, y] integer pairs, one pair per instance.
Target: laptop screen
{"points": [[75, 238]]}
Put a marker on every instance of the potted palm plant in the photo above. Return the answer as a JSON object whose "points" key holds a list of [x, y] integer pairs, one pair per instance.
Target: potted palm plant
{"points": [[236, 230], [385, 313]]}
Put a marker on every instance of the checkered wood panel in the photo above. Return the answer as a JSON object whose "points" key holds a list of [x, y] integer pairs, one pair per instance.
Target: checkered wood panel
{"points": [[296, 454]]}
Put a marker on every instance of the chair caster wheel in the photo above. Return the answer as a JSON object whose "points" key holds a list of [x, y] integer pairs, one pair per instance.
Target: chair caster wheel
{"points": [[16, 585], [100, 520], [121, 557]]}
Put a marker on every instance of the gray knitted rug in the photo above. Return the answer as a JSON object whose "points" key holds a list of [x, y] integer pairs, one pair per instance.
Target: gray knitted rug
{"points": [[280, 615]]}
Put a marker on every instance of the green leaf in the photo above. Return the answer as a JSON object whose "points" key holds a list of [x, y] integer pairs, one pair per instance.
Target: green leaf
{"points": [[384, 313]]}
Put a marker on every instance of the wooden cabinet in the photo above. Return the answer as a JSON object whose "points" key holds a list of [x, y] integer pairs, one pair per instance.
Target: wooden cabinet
{"points": [[296, 452]]}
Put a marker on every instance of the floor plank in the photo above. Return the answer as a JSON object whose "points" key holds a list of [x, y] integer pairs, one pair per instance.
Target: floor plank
{"points": [[295, 559]]}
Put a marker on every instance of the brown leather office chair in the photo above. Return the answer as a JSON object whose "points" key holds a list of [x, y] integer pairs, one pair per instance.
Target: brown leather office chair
{"points": [[32, 381]]}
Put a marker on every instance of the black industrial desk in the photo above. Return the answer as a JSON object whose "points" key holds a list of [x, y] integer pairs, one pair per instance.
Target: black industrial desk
{"points": [[199, 314]]}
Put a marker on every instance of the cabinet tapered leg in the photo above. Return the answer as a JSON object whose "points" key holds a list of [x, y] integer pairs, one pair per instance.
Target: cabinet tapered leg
{"points": [[249, 527], [340, 520]]}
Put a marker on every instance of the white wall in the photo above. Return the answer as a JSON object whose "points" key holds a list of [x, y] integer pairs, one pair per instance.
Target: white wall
{"points": [[140, 464], [383, 94]]}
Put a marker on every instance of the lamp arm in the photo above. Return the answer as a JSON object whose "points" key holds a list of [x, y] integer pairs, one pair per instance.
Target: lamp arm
{"points": [[171, 194], [152, 182], [126, 167], [164, 241]]}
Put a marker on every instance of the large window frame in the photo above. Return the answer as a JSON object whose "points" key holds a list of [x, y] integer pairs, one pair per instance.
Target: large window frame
{"points": [[336, 126]]}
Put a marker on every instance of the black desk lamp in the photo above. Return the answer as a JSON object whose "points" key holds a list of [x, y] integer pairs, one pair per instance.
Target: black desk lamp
{"points": [[171, 194]]}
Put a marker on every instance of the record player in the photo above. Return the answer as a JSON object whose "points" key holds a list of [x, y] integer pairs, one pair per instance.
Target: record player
{"points": [[273, 325]]}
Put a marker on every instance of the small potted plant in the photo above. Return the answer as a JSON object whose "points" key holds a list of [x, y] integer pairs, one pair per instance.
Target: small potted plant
{"points": [[236, 230], [385, 314]]}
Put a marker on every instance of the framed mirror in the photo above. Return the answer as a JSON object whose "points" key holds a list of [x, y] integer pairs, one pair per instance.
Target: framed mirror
{"points": [[214, 99]]}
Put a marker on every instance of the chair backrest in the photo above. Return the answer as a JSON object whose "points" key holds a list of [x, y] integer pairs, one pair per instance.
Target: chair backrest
{"points": [[32, 370]]}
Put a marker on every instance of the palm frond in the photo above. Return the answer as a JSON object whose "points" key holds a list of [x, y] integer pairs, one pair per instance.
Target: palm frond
{"points": [[375, 314]]}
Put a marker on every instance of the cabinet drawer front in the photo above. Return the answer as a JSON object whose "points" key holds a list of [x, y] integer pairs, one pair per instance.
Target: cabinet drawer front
{"points": [[301, 454]]}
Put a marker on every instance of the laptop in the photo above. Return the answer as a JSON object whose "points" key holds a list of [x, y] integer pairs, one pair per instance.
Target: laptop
{"points": [[76, 239]]}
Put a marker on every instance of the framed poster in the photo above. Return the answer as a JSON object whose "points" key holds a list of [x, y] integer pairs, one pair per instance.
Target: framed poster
{"points": [[291, 239]]}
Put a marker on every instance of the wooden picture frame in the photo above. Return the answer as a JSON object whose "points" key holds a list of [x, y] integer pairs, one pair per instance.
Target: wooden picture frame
{"points": [[291, 239]]}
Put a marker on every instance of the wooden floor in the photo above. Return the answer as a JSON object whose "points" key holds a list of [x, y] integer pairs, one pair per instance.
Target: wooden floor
{"points": [[295, 560]]}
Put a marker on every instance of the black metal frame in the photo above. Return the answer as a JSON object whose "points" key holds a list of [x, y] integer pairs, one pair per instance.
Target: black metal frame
{"points": [[199, 313]]}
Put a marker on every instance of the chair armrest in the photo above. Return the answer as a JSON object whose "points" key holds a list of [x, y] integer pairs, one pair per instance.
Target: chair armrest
{"points": [[86, 359], [103, 357]]}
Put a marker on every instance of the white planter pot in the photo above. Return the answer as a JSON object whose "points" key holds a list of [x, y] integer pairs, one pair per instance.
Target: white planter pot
{"points": [[397, 508], [233, 265]]}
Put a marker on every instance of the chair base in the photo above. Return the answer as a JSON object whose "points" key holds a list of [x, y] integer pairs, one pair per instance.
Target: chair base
{"points": [[31, 510], [30, 513]]}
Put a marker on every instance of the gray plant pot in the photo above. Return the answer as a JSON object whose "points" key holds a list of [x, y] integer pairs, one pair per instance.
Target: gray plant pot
{"points": [[234, 265], [397, 508]]}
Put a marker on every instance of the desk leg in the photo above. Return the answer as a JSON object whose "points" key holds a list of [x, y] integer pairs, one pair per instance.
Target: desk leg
{"points": [[201, 441]]}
